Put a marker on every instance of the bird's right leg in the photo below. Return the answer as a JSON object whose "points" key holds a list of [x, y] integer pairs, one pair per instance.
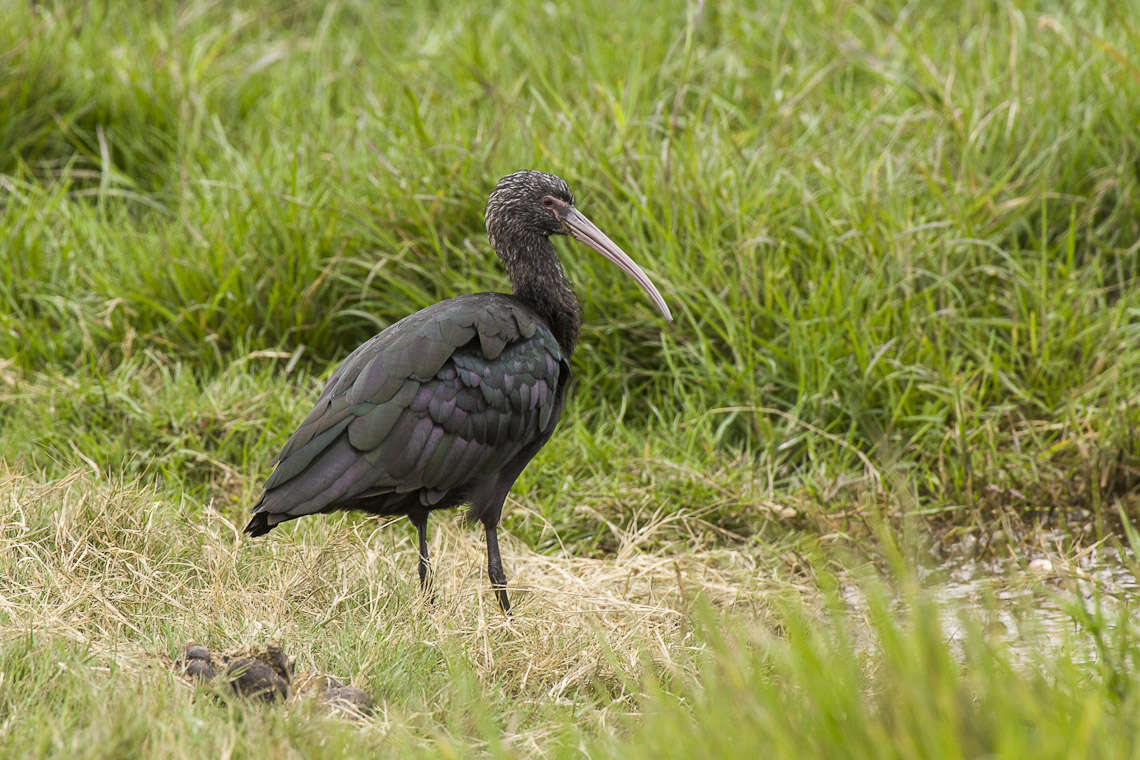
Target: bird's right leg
{"points": [[420, 521], [495, 569]]}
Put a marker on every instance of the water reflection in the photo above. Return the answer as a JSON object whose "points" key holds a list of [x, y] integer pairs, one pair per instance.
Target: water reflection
{"points": [[1029, 603]]}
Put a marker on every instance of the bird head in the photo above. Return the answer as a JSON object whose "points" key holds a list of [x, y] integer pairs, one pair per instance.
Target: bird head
{"points": [[527, 203], [530, 204]]}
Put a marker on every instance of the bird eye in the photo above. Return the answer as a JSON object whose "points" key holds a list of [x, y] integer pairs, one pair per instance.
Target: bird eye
{"points": [[548, 202]]}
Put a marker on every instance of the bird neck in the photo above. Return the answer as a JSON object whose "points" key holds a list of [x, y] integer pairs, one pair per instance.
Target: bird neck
{"points": [[540, 283]]}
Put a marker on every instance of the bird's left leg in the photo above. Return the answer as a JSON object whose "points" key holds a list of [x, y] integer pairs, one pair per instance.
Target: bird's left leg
{"points": [[495, 569], [419, 519]]}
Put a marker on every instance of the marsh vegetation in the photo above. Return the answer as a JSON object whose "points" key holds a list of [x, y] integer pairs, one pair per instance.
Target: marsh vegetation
{"points": [[900, 241]]}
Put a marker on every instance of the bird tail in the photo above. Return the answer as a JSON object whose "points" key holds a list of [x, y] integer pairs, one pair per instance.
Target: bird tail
{"points": [[259, 525]]}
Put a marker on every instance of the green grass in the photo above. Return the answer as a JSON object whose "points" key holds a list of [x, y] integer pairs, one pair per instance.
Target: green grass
{"points": [[901, 243], [913, 230], [719, 653]]}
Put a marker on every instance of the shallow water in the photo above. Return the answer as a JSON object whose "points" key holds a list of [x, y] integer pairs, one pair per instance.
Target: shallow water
{"points": [[1029, 603], [1032, 603]]}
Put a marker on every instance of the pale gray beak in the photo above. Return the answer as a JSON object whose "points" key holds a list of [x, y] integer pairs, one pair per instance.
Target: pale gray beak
{"points": [[584, 230]]}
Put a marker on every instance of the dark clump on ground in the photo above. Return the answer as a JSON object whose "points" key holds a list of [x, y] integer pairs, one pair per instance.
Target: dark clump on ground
{"points": [[268, 675], [269, 678], [199, 664]]}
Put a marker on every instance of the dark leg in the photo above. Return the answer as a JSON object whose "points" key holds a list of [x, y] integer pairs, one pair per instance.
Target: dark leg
{"points": [[420, 521], [495, 569]]}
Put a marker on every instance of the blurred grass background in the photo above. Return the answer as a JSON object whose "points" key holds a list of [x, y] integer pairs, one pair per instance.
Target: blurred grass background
{"points": [[902, 241]]}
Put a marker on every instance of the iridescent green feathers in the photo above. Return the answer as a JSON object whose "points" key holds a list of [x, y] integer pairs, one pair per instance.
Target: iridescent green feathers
{"points": [[450, 392]]}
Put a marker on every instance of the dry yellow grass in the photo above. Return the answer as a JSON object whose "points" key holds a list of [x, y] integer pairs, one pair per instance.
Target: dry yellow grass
{"points": [[133, 578]]}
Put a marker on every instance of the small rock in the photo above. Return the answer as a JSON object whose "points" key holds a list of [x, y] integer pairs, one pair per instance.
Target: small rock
{"points": [[198, 663], [1041, 566], [348, 698], [201, 669], [252, 678], [787, 513]]}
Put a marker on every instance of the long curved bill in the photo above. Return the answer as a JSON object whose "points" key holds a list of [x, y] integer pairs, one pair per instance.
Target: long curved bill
{"points": [[585, 230]]}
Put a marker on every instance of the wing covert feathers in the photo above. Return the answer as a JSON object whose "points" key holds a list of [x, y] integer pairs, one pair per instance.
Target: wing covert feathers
{"points": [[438, 398]]}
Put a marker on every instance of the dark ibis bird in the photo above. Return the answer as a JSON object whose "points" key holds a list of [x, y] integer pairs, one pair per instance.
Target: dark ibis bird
{"points": [[448, 405]]}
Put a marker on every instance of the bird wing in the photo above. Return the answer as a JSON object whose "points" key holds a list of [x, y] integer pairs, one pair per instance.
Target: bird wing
{"points": [[452, 391]]}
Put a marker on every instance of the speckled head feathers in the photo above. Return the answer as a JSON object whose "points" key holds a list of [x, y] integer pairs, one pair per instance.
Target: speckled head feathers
{"points": [[516, 207], [524, 210]]}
